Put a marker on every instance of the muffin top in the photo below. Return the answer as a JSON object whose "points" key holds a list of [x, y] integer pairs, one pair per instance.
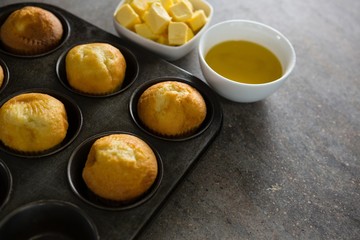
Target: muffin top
{"points": [[32, 122], [95, 68], [31, 30], [171, 108], [120, 167]]}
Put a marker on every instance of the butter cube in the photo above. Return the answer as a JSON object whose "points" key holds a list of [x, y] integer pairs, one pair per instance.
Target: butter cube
{"points": [[127, 17], [152, 1], [190, 34], [167, 4], [179, 33], [181, 11], [144, 30], [188, 3], [140, 6], [197, 20], [163, 39], [157, 18]]}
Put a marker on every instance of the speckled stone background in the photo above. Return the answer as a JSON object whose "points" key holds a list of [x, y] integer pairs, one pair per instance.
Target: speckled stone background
{"points": [[286, 167]]}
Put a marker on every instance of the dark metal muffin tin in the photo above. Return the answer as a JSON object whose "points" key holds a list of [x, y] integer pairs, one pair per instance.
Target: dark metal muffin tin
{"points": [[48, 176]]}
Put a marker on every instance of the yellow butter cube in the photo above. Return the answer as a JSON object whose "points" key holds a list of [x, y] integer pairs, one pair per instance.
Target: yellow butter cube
{"points": [[167, 4], [144, 30], [152, 1], [198, 20], [181, 11], [163, 39], [190, 35], [140, 6], [188, 3], [179, 33], [127, 17], [157, 18]]}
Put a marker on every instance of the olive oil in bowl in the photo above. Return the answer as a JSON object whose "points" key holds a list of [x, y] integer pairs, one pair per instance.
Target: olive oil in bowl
{"points": [[244, 62]]}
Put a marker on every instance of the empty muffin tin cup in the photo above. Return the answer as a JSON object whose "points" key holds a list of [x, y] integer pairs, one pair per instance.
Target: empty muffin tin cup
{"points": [[74, 116], [198, 85], [131, 73], [48, 219], [6, 183], [65, 24], [76, 165]]}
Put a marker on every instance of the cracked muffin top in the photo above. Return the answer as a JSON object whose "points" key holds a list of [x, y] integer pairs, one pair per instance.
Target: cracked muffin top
{"points": [[172, 109], [32, 122], [30, 31]]}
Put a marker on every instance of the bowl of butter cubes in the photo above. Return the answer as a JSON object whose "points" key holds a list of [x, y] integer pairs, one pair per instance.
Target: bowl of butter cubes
{"points": [[168, 28]]}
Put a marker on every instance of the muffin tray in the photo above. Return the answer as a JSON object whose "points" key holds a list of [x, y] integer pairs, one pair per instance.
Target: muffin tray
{"points": [[55, 175]]}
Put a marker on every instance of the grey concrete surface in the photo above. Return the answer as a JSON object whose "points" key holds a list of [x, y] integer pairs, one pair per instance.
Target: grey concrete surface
{"points": [[286, 167]]}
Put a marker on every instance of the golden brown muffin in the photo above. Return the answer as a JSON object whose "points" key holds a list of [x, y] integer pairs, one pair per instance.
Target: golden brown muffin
{"points": [[32, 122], [95, 68], [120, 167], [1, 76], [171, 109], [31, 30]]}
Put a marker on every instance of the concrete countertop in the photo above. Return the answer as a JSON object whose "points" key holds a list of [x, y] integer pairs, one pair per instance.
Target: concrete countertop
{"points": [[287, 167]]}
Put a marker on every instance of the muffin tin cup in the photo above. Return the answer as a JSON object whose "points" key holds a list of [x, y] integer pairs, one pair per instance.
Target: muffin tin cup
{"points": [[6, 183], [75, 120], [197, 85], [66, 27], [131, 73], [48, 219], [6, 75], [77, 163]]}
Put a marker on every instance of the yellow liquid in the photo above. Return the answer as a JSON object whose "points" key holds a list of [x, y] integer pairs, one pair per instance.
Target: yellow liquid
{"points": [[244, 62]]}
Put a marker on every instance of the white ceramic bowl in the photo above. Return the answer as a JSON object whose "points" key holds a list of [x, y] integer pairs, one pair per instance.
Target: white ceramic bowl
{"points": [[169, 53], [249, 31]]}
